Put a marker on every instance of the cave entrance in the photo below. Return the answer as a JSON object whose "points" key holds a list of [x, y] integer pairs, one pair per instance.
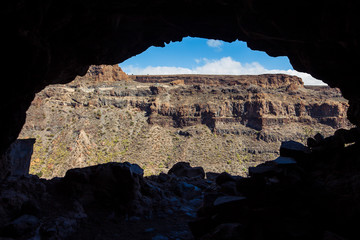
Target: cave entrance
{"points": [[225, 119]]}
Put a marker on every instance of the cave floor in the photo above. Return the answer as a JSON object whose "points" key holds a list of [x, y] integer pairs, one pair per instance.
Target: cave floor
{"points": [[306, 193]]}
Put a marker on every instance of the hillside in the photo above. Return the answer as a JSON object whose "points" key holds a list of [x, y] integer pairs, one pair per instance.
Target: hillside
{"points": [[223, 123]]}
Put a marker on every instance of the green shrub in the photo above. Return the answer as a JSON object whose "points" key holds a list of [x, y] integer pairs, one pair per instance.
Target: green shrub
{"points": [[39, 174], [97, 114]]}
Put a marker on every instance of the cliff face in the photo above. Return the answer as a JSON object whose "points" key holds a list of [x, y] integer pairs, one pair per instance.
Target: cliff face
{"points": [[270, 81], [258, 101], [251, 105], [219, 122]]}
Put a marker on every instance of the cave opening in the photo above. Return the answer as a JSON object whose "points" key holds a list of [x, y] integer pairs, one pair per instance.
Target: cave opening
{"points": [[228, 126], [309, 192], [221, 114]]}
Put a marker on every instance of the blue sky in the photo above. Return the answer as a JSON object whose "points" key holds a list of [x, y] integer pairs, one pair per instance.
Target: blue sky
{"points": [[208, 56]]}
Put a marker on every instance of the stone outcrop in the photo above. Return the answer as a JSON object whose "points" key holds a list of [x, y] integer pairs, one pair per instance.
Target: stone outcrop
{"points": [[103, 73]]}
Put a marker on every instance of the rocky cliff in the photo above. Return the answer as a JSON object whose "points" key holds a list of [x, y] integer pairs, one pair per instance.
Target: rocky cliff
{"points": [[102, 73], [223, 123], [259, 102]]}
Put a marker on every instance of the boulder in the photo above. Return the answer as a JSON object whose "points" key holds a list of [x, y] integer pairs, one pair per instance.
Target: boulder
{"points": [[17, 158], [319, 137], [284, 161], [293, 149], [224, 177], [348, 136], [20, 226], [187, 191], [177, 82], [155, 90], [262, 170], [183, 169], [212, 175], [311, 142], [114, 185], [229, 187]]}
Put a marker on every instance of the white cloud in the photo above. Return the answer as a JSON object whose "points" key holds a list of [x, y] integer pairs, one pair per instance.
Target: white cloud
{"points": [[214, 43], [307, 78], [159, 70], [225, 66]]}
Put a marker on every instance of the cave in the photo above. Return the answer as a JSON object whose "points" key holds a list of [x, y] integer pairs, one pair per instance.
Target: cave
{"points": [[53, 42]]}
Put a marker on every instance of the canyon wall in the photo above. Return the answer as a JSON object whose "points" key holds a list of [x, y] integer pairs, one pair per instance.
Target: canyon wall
{"points": [[223, 123]]}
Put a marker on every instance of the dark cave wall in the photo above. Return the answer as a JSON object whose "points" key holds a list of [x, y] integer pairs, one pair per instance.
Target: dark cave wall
{"points": [[54, 41]]}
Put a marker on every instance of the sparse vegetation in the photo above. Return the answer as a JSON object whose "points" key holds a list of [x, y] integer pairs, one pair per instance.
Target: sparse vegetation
{"points": [[97, 114], [239, 158], [307, 132]]}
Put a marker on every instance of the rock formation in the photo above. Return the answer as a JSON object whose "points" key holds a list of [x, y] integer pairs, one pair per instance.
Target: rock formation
{"points": [[305, 193], [288, 198], [103, 73], [223, 123]]}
